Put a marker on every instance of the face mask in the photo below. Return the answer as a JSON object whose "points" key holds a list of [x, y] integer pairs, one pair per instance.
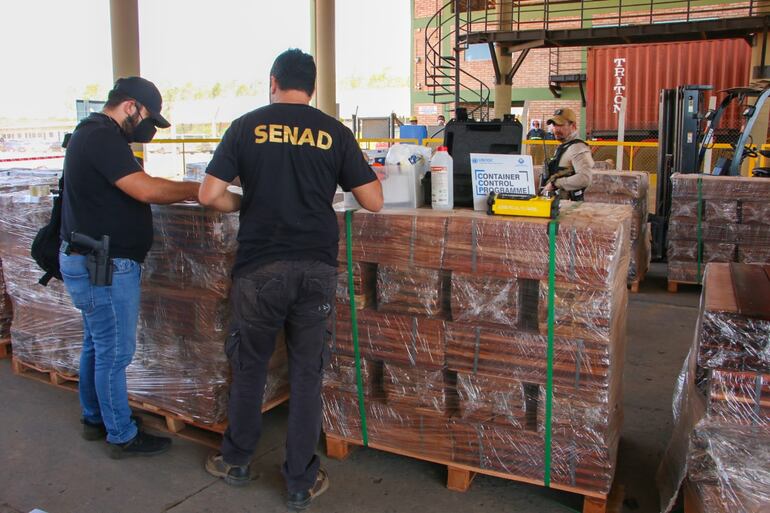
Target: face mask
{"points": [[141, 132]]}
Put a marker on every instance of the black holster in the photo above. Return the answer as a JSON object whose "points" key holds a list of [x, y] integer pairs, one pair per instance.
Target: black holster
{"points": [[98, 261]]}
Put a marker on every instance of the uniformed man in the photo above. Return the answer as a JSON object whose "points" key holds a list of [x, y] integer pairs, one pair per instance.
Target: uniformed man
{"points": [[289, 157], [569, 170]]}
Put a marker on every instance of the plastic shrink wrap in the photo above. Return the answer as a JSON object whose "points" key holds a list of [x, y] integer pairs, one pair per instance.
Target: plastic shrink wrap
{"points": [[454, 352], [18, 180], [724, 219], [624, 188], [180, 365], [627, 188], [46, 330], [720, 447]]}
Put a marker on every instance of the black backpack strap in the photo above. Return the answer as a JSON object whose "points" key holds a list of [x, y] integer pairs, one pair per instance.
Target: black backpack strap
{"points": [[562, 148], [45, 279]]}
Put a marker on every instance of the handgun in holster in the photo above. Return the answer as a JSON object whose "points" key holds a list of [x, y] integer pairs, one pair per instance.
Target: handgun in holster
{"points": [[98, 263]]}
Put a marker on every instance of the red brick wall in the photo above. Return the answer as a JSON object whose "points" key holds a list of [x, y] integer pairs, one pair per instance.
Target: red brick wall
{"points": [[532, 73], [427, 8]]}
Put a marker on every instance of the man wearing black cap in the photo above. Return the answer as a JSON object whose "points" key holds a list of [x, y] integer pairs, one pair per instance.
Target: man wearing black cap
{"points": [[107, 193], [570, 167]]}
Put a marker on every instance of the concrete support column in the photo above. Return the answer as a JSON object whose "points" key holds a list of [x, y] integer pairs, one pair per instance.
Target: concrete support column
{"points": [[503, 91], [124, 32], [124, 25], [326, 88]]}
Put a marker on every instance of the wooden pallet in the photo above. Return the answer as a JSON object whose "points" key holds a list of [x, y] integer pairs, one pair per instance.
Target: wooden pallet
{"points": [[5, 348], [188, 428], [153, 416], [633, 286], [673, 285], [48, 376], [460, 477]]}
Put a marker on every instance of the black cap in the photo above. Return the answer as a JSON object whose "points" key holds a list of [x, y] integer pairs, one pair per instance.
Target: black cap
{"points": [[145, 92]]}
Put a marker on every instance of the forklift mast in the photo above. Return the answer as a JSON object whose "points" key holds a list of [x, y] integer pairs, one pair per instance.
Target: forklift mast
{"points": [[750, 114], [680, 132]]}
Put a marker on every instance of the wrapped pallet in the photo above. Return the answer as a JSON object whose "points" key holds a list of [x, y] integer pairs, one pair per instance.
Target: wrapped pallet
{"points": [[716, 219], [46, 329], [720, 449], [627, 188], [624, 188], [179, 366], [21, 181], [459, 338]]}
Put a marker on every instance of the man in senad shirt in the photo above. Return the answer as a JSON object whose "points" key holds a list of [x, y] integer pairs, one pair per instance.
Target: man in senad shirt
{"points": [[289, 157]]}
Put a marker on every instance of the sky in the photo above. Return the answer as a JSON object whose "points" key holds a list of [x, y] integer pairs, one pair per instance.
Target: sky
{"points": [[53, 49]]}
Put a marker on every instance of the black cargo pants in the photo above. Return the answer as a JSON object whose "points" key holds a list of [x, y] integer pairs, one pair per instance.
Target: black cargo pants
{"points": [[297, 296]]}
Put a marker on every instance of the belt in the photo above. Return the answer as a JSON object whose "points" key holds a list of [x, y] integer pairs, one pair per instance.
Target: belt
{"points": [[68, 249]]}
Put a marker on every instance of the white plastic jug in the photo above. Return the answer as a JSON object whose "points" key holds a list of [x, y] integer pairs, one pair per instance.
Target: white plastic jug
{"points": [[441, 180]]}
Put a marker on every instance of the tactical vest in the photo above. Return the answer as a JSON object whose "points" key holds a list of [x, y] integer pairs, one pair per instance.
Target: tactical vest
{"points": [[552, 167]]}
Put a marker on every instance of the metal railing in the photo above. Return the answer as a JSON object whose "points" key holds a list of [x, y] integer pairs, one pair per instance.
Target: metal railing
{"points": [[443, 73], [563, 14], [566, 61], [637, 156]]}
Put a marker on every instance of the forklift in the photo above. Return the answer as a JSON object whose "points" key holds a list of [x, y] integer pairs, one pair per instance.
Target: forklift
{"points": [[686, 131]]}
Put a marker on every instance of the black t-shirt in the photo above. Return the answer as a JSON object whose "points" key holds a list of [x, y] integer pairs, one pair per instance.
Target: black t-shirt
{"points": [[97, 156], [290, 158]]}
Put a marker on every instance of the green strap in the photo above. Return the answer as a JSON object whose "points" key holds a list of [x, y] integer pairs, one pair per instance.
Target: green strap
{"points": [[552, 229], [700, 228], [354, 324]]}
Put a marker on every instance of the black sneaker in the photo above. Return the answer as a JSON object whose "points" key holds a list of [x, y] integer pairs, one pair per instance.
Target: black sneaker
{"points": [[92, 432], [301, 500], [234, 475], [143, 444]]}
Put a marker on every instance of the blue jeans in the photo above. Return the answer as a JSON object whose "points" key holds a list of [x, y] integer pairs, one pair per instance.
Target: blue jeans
{"points": [[110, 316]]}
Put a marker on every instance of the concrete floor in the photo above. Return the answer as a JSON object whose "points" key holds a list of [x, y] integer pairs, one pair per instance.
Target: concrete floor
{"points": [[46, 465]]}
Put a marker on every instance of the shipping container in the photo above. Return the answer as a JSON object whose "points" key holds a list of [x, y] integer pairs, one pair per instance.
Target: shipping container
{"points": [[639, 72]]}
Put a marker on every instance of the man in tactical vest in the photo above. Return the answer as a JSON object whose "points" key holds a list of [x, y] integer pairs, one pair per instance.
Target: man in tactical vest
{"points": [[569, 170]]}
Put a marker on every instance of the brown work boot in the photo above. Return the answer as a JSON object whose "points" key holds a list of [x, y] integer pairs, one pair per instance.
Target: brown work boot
{"points": [[301, 500], [234, 475]]}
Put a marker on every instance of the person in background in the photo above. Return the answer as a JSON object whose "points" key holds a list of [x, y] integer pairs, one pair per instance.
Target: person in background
{"points": [[569, 170], [290, 157], [441, 120], [536, 132], [413, 120], [106, 192]]}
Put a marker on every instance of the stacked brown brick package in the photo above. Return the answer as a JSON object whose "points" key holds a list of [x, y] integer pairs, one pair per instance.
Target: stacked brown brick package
{"points": [[455, 349], [179, 365], [721, 443], [13, 181], [46, 330], [734, 223], [627, 188]]}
